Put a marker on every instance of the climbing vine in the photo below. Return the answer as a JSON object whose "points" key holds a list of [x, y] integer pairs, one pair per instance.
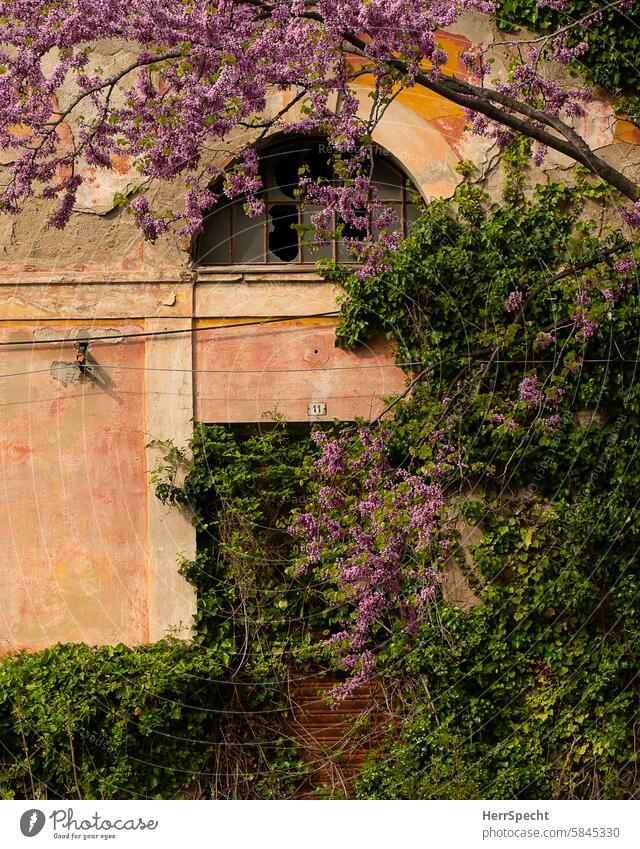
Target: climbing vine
{"points": [[524, 318], [112, 722], [519, 420], [613, 39]]}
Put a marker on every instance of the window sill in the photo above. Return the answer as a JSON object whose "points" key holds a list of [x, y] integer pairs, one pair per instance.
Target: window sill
{"points": [[285, 273]]}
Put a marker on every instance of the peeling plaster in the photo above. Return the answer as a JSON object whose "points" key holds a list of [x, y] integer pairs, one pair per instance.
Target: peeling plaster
{"points": [[108, 335], [97, 193], [64, 372], [46, 334]]}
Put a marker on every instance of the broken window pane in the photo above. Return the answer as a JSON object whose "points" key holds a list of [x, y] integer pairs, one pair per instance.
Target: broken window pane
{"points": [[230, 236], [283, 239]]}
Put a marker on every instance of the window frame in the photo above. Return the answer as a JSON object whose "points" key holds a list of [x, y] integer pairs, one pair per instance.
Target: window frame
{"points": [[300, 262]]}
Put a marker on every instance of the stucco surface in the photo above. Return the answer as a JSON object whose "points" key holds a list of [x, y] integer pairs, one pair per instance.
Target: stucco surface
{"points": [[73, 498], [259, 374], [86, 551]]}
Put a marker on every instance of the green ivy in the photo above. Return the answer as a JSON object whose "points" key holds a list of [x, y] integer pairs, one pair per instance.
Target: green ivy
{"points": [[111, 722], [614, 42], [241, 491], [534, 693]]}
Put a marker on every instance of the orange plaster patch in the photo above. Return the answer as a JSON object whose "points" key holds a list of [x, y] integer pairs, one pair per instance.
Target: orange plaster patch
{"points": [[454, 45], [121, 164], [451, 129], [65, 136], [430, 106], [20, 131], [625, 131], [15, 450]]}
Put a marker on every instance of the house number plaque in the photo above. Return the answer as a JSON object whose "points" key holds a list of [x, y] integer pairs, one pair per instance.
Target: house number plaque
{"points": [[317, 408]]}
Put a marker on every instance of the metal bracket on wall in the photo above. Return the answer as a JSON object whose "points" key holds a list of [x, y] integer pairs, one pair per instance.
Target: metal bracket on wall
{"points": [[82, 351]]}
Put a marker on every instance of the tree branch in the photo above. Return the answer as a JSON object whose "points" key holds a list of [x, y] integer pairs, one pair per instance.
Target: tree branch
{"points": [[483, 100]]}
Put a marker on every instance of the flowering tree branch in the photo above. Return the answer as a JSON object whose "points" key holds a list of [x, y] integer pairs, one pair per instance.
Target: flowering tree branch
{"points": [[203, 72]]}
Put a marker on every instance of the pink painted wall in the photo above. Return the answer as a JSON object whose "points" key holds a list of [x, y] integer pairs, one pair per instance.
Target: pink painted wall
{"points": [[73, 497], [244, 383]]}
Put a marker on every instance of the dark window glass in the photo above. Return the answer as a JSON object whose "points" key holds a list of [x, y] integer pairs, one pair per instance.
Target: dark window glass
{"points": [[248, 236], [230, 236]]}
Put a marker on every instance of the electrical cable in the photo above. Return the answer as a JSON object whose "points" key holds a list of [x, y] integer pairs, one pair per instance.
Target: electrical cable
{"points": [[247, 370], [148, 333], [116, 367], [97, 366]]}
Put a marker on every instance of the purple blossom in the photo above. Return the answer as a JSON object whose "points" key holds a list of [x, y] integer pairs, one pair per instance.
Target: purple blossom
{"points": [[378, 533], [624, 266], [631, 216], [582, 298], [550, 424], [561, 52], [539, 154], [514, 301], [530, 393], [558, 5], [361, 666], [574, 364], [544, 340], [151, 226], [585, 325]]}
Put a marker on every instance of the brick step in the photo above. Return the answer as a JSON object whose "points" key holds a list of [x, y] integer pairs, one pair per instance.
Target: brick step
{"points": [[327, 734]]}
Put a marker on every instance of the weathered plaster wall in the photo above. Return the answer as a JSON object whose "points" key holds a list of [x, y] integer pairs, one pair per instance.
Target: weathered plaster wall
{"points": [[86, 551], [260, 373], [73, 494]]}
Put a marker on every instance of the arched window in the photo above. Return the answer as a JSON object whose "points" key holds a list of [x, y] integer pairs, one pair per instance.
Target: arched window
{"points": [[231, 237]]}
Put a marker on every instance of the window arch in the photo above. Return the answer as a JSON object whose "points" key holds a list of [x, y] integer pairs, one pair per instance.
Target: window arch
{"points": [[231, 237]]}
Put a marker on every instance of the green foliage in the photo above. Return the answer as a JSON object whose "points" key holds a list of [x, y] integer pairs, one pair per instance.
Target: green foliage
{"points": [[241, 492], [614, 42], [533, 693], [514, 156], [111, 722], [173, 719], [443, 305]]}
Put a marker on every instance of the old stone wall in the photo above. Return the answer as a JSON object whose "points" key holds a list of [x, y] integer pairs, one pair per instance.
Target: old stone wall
{"points": [[86, 551]]}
